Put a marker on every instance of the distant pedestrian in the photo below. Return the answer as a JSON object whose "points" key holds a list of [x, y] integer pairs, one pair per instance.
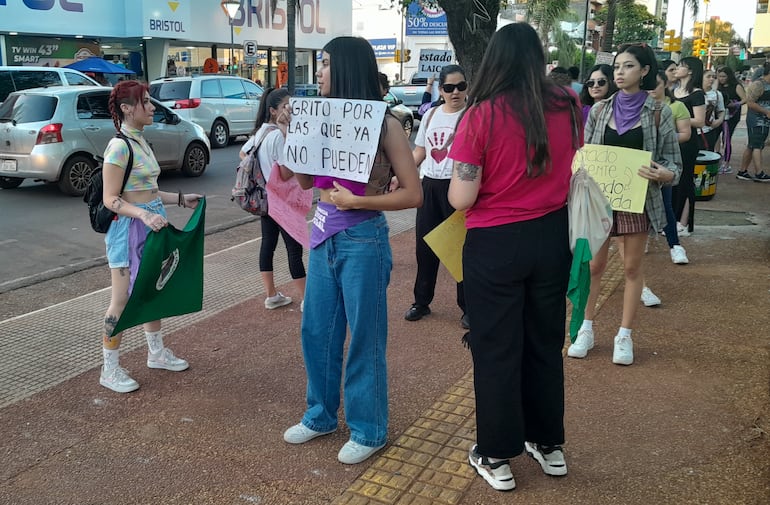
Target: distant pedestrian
{"points": [[140, 210], [561, 77], [574, 75], [758, 126], [512, 167], [431, 153], [735, 97], [269, 133], [349, 270]]}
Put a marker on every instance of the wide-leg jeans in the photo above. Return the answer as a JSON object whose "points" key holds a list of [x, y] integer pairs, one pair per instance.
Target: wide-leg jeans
{"points": [[348, 276], [516, 278]]}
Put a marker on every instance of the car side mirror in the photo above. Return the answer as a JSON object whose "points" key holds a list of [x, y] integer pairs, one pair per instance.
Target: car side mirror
{"points": [[399, 101], [174, 119]]}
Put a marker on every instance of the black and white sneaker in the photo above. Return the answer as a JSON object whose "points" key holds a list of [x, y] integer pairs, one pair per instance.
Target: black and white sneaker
{"points": [[497, 474], [551, 458], [762, 177], [744, 175]]}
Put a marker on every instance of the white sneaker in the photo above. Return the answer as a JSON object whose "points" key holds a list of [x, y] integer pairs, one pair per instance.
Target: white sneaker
{"points": [[678, 255], [273, 302], [497, 474], [353, 453], [299, 434], [582, 344], [623, 354], [682, 230], [551, 458], [118, 380], [648, 298], [165, 360]]}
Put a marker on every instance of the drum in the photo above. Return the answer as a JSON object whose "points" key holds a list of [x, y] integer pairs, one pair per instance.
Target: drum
{"points": [[705, 175]]}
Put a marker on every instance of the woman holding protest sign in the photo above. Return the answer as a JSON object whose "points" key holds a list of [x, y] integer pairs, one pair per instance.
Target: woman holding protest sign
{"points": [[140, 209], [349, 269], [631, 118], [268, 138]]}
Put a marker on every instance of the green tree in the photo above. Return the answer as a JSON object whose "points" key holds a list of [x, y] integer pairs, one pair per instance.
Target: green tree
{"points": [[545, 14], [470, 25], [633, 23], [611, 8]]}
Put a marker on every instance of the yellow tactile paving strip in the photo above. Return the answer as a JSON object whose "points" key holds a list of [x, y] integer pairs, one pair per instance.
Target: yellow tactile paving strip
{"points": [[428, 463]]}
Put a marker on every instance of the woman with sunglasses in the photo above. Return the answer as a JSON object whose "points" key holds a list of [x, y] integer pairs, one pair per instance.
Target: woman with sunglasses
{"points": [[512, 166], [632, 119], [598, 87], [689, 74], [432, 146]]}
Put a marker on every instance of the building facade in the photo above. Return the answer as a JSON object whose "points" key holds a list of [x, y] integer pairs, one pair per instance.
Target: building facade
{"points": [[156, 38]]}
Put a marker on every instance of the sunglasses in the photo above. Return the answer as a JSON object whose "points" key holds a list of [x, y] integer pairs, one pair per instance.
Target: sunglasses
{"points": [[601, 82], [450, 88]]}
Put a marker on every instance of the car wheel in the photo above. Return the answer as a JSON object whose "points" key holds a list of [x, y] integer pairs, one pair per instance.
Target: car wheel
{"points": [[408, 124], [195, 159], [10, 182], [76, 175], [220, 135]]}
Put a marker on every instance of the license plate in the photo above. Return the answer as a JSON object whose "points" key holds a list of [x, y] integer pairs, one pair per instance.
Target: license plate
{"points": [[8, 166]]}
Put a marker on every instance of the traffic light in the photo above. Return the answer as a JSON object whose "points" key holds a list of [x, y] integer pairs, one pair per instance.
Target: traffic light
{"points": [[700, 47], [397, 56], [407, 54], [672, 43]]}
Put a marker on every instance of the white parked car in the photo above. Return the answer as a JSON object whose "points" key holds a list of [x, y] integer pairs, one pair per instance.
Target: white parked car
{"points": [[55, 134], [224, 105], [21, 78]]}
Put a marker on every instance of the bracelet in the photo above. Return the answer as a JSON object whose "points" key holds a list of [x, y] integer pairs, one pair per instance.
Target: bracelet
{"points": [[180, 200]]}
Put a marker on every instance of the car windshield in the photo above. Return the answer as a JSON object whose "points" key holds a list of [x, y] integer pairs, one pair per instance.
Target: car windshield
{"points": [[27, 109], [173, 90]]}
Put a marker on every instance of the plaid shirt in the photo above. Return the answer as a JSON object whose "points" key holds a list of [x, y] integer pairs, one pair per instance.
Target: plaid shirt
{"points": [[664, 146]]}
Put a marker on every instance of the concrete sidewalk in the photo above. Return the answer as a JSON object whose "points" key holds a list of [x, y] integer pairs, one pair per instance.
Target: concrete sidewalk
{"points": [[687, 423]]}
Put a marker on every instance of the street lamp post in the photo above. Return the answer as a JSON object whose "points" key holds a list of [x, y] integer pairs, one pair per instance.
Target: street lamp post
{"points": [[231, 9]]}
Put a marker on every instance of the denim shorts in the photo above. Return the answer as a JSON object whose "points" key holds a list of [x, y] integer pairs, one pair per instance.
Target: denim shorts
{"points": [[116, 239], [758, 136]]}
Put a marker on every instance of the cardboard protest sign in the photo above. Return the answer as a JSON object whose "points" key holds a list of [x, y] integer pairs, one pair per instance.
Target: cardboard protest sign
{"points": [[334, 137], [433, 60], [447, 240], [616, 170], [289, 205]]}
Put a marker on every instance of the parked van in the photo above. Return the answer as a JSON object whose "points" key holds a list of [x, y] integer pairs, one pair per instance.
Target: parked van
{"points": [[21, 78], [224, 105]]}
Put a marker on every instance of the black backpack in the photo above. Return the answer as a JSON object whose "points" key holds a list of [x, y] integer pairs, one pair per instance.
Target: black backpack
{"points": [[101, 217]]}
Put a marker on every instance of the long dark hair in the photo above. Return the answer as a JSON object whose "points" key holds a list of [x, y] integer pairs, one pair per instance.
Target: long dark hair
{"points": [[271, 99], [646, 58], [354, 71], [585, 96], [731, 80], [128, 92], [696, 67], [513, 71]]}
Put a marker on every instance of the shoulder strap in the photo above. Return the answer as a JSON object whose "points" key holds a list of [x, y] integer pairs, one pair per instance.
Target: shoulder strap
{"points": [[263, 136], [130, 163], [428, 116]]}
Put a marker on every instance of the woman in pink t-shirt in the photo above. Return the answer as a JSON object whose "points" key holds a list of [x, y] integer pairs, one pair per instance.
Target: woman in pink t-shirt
{"points": [[512, 166]]}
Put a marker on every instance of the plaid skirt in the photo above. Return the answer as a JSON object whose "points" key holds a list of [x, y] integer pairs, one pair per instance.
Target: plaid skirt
{"points": [[626, 223]]}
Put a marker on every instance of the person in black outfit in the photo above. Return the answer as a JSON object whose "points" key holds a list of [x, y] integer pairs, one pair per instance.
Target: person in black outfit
{"points": [[735, 97]]}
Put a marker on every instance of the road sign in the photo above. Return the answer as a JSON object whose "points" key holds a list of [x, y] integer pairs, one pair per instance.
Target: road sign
{"points": [[250, 48], [720, 51]]}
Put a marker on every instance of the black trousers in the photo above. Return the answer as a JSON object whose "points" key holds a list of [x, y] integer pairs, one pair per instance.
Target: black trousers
{"points": [[685, 190], [270, 232], [435, 209], [516, 278]]}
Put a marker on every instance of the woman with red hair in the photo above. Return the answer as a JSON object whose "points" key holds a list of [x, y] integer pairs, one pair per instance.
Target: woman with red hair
{"points": [[140, 209]]}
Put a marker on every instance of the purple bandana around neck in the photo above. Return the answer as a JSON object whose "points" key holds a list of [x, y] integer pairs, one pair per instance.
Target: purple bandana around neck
{"points": [[628, 109]]}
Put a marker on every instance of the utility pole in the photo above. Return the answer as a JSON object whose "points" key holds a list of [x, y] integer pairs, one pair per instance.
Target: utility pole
{"points": [[403, 29]]}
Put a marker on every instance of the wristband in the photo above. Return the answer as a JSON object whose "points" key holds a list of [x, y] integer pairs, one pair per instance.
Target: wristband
{"points": [[180, 200]]}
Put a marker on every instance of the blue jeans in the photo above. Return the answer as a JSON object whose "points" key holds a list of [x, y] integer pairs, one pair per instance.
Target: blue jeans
{"points": [[672, 236], [348, 276]]}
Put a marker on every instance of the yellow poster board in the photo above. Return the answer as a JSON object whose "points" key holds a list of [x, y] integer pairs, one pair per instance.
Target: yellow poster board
{"points": [[616, 170], [447, 241]]}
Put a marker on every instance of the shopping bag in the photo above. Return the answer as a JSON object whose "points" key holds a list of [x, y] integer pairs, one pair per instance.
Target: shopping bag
{"points": [[590, 222], [170, 277]]}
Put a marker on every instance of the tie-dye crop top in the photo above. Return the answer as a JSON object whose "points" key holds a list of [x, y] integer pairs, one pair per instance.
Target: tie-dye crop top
{"points": [[145, 169]]}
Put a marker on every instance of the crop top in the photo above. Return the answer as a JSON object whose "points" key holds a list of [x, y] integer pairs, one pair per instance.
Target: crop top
{"points": [[145, 169]]}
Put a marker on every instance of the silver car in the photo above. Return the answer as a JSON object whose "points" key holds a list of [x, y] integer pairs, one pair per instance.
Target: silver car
{"points": [[55, 134], [401, 111]]}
